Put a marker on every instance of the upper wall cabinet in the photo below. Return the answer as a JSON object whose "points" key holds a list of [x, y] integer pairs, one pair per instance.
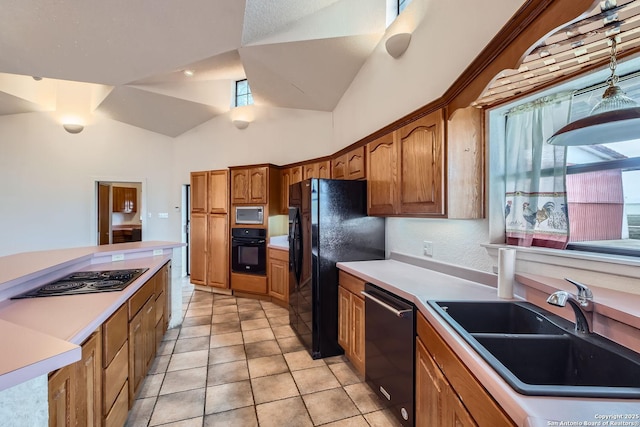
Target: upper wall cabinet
{"points": [[288, 176], [351, 165], [405, 169], [249, 185], [317, 170], [125, 199]]}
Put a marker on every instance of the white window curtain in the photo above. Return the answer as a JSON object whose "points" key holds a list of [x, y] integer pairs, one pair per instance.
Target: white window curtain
{"points": [[536, 197]]}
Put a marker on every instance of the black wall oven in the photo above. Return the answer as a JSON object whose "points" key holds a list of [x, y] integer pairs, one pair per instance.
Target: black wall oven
{"points": [[249, 250]]}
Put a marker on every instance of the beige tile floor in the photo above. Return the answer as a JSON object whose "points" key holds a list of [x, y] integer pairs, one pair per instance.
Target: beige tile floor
{"points": [[236, 362]]}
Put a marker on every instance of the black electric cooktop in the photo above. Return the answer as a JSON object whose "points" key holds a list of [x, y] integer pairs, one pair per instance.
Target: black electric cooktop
{"points": [[86, 282]]}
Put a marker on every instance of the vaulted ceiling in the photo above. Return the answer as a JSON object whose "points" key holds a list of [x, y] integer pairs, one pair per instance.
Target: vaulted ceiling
{"points": [[125, 59]]}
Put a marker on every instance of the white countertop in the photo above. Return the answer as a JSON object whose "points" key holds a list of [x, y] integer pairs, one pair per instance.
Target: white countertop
{"points": [[279, 242], [44, 334], [419, 285]]}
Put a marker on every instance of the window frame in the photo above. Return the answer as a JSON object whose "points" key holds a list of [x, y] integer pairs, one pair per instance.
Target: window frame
{"points": [[248, 96]]}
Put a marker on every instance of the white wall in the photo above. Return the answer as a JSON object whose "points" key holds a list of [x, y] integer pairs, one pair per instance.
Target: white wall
{"points": [[47, 179]]}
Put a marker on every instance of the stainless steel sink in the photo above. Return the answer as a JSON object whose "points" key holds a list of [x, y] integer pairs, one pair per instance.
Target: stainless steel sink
{"points": [[538, 353]]}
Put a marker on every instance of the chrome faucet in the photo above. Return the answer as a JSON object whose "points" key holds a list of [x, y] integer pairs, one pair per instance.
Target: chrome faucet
{"points": [[582, 305]]}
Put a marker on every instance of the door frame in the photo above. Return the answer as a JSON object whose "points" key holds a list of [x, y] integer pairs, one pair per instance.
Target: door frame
{"points": [[93, 214]]}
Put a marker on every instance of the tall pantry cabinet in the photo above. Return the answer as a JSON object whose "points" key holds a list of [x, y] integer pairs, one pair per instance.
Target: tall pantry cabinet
{"points": [[209, 229]]}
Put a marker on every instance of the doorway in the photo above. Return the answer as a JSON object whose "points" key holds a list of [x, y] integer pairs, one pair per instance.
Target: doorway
{"points": [[119, 217], [186, 220]]}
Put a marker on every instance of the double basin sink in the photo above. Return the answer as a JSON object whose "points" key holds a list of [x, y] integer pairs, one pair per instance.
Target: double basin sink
{"points": [[539, 353]]}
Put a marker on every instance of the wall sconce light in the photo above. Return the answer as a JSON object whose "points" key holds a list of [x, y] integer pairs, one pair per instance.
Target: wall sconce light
{"points": [[73, 127], [397, 44], [240, 124]]}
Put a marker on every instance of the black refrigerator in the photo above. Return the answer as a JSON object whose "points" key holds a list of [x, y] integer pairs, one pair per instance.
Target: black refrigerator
{"points": [[328, 224]]}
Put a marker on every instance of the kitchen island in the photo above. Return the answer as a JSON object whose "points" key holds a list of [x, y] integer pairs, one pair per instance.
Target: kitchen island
{"points": [[418, 280], [45, 334]]}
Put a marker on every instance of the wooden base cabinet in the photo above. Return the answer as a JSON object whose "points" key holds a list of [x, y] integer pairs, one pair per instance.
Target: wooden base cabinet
{"points": [[62, 397], [447, 393], [98, 390], [75, 391], [351, 317], [278, 274]]}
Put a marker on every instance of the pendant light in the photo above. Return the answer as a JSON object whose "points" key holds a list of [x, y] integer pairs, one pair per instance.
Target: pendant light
{"points": [[615, 118]]}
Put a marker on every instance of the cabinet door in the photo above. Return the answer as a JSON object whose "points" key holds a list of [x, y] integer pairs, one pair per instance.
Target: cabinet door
{"points": [[218, 191], [324, 169], [198, 248], [339, 167], [383, 175], [421, 161], [117, 199], [310, 171], [430, 390], [296, 174], [240, 186], [356, 164], [258, 185], [285, 182], [465, 159], [137, 363], [149, 331], [457, 414], [62, 397], [130, 200], [344, 319], [218, 252], [278, 272], [199, 183], [357, 333], [89, 376]]}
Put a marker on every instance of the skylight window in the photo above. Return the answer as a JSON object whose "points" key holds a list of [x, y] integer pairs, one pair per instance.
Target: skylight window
{"points": [[243, 93], [402, 4]]}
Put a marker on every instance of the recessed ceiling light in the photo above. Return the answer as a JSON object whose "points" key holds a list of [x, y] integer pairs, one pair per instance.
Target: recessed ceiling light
{"points": [[188, 73]]}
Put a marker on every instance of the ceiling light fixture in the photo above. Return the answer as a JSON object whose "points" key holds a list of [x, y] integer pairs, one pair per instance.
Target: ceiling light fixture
{"points": [[73, 127], [397, 44], [240, 124], [615, 118], [188, 73]]}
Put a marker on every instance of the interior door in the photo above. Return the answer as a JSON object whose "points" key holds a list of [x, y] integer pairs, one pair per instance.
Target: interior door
{"points": [[104, 214]]}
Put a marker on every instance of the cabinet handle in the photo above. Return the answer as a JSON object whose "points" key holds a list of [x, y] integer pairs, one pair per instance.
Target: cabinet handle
{"points": [[149, 309]]}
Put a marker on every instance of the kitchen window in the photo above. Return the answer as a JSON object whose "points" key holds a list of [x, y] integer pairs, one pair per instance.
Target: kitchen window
{"points": [[402, 4], [602, 185], [603, 195], [243, 93]]}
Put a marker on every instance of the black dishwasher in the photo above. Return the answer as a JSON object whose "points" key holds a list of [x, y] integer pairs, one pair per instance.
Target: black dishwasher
{"points": [[390, 350]]}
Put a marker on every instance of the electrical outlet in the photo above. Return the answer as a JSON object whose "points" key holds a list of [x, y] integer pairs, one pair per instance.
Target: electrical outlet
{"points": [[117, 257], [427, 248]]}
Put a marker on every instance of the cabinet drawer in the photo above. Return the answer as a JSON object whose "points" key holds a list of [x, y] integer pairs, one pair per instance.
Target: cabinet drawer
{"points": [[140, 298], [279, 254], [118, 414], [114, 376], [249, 283], [351, 283], [114, 334]]}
